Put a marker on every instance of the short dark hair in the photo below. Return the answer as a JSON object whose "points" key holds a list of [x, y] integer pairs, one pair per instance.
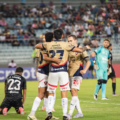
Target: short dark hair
{"points": [[19, 69], [73, 36], [58, 34], [109, 45], [107, 40], [48, 36]]}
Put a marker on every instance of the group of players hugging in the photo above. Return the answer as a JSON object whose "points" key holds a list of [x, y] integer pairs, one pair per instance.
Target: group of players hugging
{"points": [[59, 62]]}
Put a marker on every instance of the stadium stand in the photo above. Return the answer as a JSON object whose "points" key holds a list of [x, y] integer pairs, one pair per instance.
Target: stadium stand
{"points": [[21, 26]]}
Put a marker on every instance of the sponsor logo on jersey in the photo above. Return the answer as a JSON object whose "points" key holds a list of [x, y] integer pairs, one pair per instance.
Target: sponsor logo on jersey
{"points": [[56, 69]]}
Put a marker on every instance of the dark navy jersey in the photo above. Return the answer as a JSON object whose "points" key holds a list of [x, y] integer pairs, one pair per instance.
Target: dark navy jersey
{"points": [[14, 85], [111, 58]]}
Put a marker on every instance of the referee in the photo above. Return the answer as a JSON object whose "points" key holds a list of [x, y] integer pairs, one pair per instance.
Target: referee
{"points": [[112, 74]]}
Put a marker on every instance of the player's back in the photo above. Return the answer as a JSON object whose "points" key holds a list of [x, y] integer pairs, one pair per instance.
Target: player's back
{"points": [[43, 66], [76, 62], [14, 85], [58, 49]]}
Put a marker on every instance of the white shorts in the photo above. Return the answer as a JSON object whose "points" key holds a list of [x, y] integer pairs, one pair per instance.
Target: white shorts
{"points": [[75, 82], [58, 77], [42, 79]]}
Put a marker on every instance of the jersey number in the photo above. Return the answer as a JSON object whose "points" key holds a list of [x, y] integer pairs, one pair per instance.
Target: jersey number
{"points": [[14, 85], [41, 56], [58, 51]]}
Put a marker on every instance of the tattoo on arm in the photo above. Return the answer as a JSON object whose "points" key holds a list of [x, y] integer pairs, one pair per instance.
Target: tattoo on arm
{"points": [[36, 64]]}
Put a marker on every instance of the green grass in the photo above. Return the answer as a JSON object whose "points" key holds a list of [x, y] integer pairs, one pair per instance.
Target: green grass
{"points": [[92, 110]]}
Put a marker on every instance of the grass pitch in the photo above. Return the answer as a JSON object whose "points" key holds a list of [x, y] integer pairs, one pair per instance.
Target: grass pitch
{"points": [[92, 110]]}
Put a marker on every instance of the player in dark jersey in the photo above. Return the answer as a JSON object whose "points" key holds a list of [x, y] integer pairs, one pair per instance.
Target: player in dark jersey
{"points": [[14, 85], [112, 74]]}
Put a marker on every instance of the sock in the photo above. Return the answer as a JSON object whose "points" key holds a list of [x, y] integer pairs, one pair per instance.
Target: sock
{"points": [[78, 106], [35, 106], [64, 106], [103, 90], [50, 103], [54, 100], [114, 87], [88, 75], [97, 89], [46, 104], [73, 104]]}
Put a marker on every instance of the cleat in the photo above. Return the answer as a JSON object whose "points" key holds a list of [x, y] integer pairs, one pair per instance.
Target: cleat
{"points": [[5, 111], [43, 108], [31, 117], [95, 97], [69, 116], [78, 115], [115, 95], [21, 110], [49, 116], [65, 118], [105, 99]]}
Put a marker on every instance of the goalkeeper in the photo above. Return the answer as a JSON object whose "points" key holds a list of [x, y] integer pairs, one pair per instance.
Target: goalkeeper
{"points": [[100, 57]]}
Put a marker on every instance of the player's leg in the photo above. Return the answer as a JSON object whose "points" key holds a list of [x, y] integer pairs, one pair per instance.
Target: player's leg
{"points": [[5, 106], [75, 85], [19, 107], [52, 85], [88, 74], [41, 91], [64, 86], [104, 83], [99, 80], [53, 110]]}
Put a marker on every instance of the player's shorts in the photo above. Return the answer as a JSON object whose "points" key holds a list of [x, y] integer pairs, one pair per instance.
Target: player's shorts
{"points": [[42, 79], [58, 77], [75, 82], [10, 102], [91, 68], [112, 74], [101, 74]]}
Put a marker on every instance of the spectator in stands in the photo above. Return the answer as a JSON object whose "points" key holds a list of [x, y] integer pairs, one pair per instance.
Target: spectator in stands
{"points": [[6, 32], [90, 33], [69, 7], [78, 17], [91, 26], [42, 4], [3, 22], [116, 33], [86, 41], [2, 38], [18, 23], [26, 38], [12, 64], [108, 30], [85, 17], [20, 38], [60, 16], [94, 43], [8, 38]]}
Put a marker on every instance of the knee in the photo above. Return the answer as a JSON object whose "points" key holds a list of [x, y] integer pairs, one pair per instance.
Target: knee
{"points": [[74, 99], [113, 80], [41, 95], [74, 92]]}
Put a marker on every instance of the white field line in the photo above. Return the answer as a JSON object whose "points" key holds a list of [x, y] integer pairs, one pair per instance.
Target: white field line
{"points": [[89, 102]]}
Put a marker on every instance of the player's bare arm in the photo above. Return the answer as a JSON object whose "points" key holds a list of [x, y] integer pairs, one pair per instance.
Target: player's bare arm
{"points": [[80, 50], [54, 59], [86, 66], [39, 46], [24, 96]]}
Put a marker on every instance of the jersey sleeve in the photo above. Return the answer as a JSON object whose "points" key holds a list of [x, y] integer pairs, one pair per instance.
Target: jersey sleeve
{"points": [[44, 45], [108, 55], [37, 53], [69, 47], [98, 50], [85, 55]]}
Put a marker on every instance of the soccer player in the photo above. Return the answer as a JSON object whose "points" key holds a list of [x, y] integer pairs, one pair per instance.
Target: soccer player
{"points": [[101, 64], [112, 74], [14, 86], [42, 71], [58, 73], [76, 62]]}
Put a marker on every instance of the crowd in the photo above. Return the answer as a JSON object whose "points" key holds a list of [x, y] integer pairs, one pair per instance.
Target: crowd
{"points": [[89, 22]]}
